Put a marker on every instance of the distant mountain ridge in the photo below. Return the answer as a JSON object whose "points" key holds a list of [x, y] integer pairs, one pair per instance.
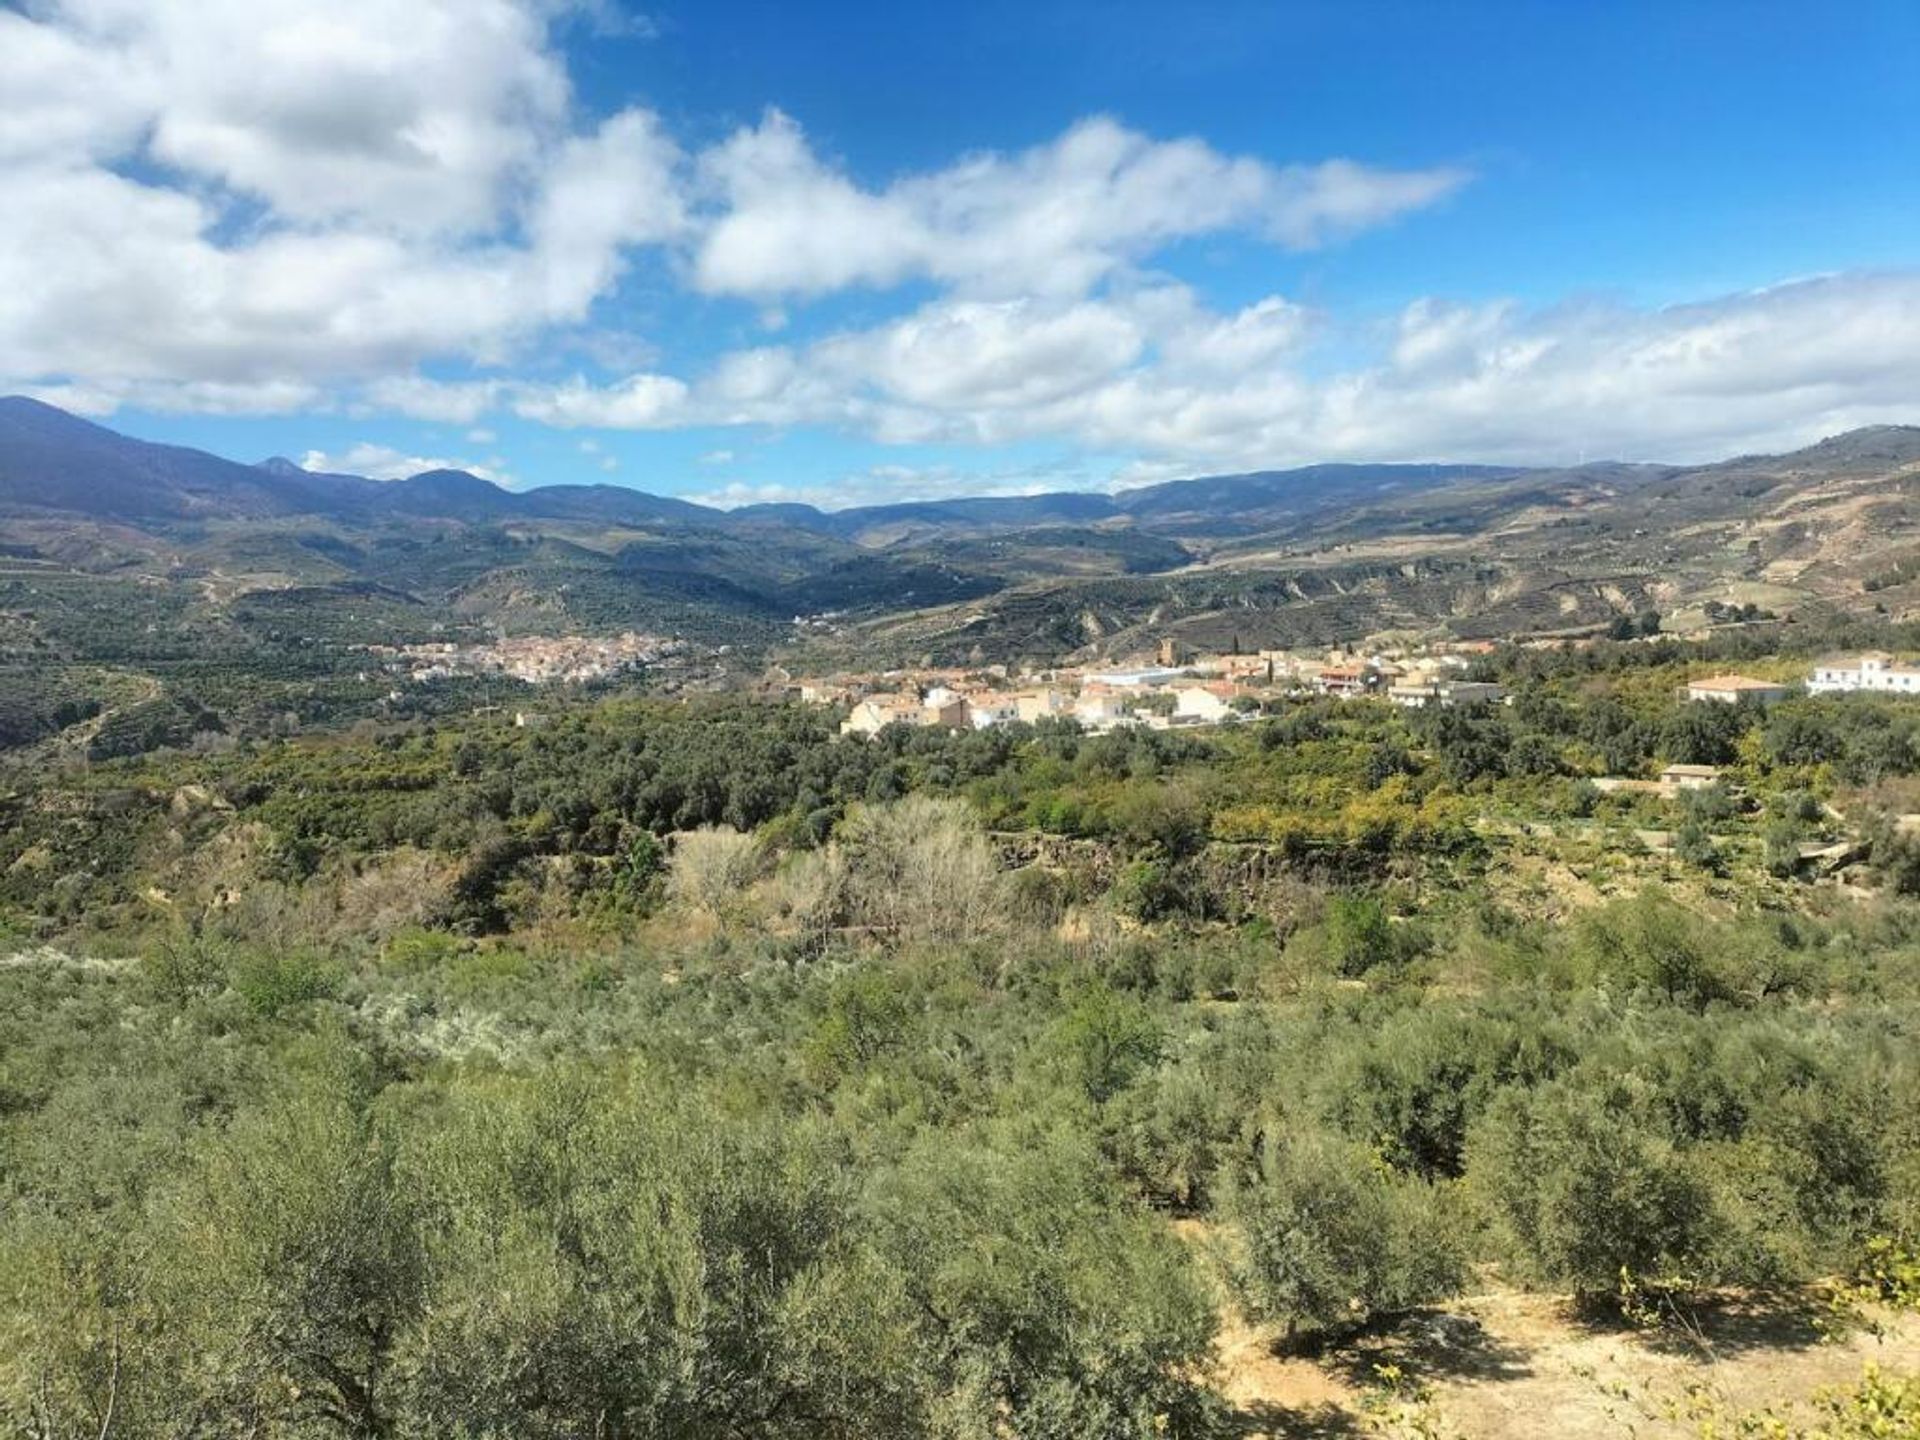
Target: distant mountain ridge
{"points": [[53, 461], [1320, 553]]}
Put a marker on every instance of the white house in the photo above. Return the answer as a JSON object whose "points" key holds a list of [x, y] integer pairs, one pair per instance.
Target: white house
{"points": [[1732, 689], [990, 708], [1205, 704], [1873, 671], [1147, 677], [1099, 711], [1415, 694]]}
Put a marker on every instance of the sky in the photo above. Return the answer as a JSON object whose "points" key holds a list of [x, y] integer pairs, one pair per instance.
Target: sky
{"points": [[853, 253]]}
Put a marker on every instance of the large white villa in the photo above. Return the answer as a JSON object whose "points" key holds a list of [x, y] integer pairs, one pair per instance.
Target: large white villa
{"points": [[1872, 671]]}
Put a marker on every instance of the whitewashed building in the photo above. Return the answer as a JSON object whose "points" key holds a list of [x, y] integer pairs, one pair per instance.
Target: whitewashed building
{"points": [[1100, 711], [990, 708], [1732, 689], [1875, 671], [1201, 703], [1417, 694]]}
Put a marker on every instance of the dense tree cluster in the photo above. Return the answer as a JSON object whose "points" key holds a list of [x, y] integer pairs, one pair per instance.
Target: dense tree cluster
{"points": [[686, 1070]]}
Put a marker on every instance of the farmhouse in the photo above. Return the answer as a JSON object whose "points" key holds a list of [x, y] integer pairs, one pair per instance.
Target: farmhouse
{"points": [[1732, 689], [1689, 777], [1417, 694], [1875, 670]]}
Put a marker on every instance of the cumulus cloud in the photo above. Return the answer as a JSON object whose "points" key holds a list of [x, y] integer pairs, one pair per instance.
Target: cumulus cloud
{"points": [[449, 402], [280, 195], [270, 206], [1157, 375], [1771, 368], [249, 202], [383, 462], [406, 117], [1053, 220], [640, 402], [880, 484]]}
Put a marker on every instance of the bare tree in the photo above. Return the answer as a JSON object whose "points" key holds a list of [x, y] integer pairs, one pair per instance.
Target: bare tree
{"points": [[923, 867]]}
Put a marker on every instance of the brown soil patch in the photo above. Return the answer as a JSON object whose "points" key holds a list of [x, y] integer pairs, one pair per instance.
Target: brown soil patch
{"points": [[1511, 1366]]}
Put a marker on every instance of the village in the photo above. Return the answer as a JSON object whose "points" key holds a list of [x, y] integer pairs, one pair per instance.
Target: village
{"points": [[531, 659], [1173, 688], [1177, 688]]}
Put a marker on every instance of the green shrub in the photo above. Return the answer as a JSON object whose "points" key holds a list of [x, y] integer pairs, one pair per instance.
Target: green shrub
{"points": [[1104, 1041], [1584, 1189], [1330, 1239], [273, 982]]}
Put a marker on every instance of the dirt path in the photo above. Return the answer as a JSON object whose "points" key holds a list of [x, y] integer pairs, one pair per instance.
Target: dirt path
{"points": [[1508, 1366]]}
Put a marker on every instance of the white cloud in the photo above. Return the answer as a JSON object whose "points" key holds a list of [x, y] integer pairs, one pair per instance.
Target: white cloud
{"points": [[271, 206], [602, 193], [183, 397], [1053, 220], [882, 484], [640, 402], [1156, 375], [106, 278], [325, 194], [1198, 342], [987, 356], [405, 117], [383, 462]]}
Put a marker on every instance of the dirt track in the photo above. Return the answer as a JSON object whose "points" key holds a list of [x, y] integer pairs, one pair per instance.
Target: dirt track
{"points": [[1507, 1366]]}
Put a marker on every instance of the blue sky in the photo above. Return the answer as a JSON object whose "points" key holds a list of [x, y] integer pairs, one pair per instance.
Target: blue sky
{"points": [[863, 252]]}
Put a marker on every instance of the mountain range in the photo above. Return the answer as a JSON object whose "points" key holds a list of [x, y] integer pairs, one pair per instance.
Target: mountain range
{"points": [[1321, 552], [53, 461]]}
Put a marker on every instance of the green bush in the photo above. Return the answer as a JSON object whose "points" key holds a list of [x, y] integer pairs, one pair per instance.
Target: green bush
{"points": [[274, 982], [1329, 1239], [1104, 1041], [1584, 1190]]}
